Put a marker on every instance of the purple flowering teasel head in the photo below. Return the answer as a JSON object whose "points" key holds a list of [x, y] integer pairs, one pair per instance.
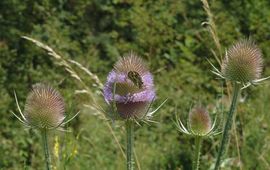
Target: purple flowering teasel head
{"points": [[130, 86]]}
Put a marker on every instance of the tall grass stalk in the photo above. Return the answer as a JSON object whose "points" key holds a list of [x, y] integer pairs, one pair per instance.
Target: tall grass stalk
{"points": [[212, 30], [228, 125], [130, 143], [46, 149]]}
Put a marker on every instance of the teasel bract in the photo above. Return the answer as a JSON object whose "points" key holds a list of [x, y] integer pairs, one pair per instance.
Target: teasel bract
{"points": [[44, 110], [129, 91], [199, 126], [242, 66]]}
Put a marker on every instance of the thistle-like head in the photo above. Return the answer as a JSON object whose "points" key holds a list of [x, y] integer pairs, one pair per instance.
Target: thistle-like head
{"points": [[130, 87], [198, 124], [243, 62], [44, 107], [199, 121]]}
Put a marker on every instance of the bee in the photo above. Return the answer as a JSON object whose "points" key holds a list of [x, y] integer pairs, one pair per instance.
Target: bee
{"points": [[135, 78]]}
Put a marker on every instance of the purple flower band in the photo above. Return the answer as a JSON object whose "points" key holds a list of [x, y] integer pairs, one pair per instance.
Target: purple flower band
{"points": [[147, 95]]}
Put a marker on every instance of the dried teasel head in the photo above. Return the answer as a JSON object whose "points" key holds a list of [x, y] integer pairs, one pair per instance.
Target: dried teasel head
{"points": [[44, 107], [243, 62]]}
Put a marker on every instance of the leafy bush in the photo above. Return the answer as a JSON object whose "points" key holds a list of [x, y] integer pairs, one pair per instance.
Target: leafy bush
{"points": [[170, 36]]}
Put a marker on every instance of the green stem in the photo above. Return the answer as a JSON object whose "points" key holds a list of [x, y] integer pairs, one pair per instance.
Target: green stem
{"points": [[130, 143], [46, 149], [196, 161], [228, 125]]}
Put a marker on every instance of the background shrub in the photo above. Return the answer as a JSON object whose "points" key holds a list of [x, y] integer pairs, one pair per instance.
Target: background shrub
{"points": [[170, 36]]}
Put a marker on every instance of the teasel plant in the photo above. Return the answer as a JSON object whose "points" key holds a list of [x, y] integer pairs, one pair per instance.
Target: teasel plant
{"points": [[44, 110], [88, 86], [199, 125], [129, 92], [242, 66]]}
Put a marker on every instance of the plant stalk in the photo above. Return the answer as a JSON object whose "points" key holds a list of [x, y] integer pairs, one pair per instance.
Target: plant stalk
{"points": [[196, 161], [46, 149], [130, 143], [228, 125]]}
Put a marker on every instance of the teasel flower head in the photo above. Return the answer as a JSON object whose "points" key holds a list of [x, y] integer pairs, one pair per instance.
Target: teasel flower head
{"points": [[129, 89], [200, 121], [198, 124], [242, 63], [44, 108]]}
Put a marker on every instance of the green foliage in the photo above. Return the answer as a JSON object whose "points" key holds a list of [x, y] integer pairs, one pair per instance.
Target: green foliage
{"points": [[169, 35]]}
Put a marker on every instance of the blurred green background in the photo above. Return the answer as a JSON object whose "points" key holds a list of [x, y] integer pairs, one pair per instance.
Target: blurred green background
{"points": [[170, 36]]}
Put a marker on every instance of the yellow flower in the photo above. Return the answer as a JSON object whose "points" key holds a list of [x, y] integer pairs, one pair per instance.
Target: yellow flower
{"points": [[56, 147]]}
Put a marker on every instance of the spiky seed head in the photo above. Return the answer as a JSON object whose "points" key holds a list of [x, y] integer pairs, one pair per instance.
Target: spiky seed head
{"points": [[200, 121], [131, 62], [44, 107], [134, 87], [243, 62]]}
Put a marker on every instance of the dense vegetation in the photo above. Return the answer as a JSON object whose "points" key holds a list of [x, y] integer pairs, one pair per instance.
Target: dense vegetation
{"points": [[170, 36]]}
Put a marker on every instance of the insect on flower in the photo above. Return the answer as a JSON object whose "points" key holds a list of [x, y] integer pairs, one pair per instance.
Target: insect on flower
{"points": [[135, 78], [130, 89]]}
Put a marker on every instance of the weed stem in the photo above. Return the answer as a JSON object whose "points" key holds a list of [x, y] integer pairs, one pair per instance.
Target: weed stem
{"points": [[130, 143], [196, 161], [228, 125], [46, 149]]}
